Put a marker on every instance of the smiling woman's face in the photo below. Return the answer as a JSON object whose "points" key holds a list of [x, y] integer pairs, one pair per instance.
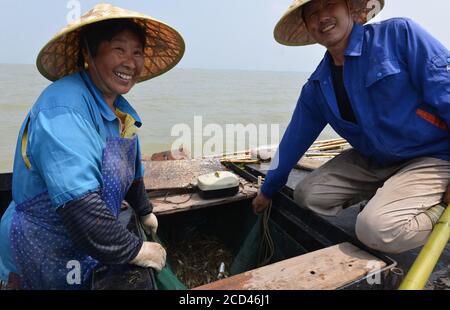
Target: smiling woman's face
{"points": [[328, 21], [118, 63]]}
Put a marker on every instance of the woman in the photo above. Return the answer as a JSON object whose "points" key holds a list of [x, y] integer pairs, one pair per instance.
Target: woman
{"points": [[78, 156]]}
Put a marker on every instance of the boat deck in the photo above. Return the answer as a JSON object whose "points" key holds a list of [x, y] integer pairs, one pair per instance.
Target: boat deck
{"points": [[440, 279], [327, 269]]}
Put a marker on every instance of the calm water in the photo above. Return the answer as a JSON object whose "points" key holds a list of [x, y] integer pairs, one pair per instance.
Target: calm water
{"points": [[221, 97]]}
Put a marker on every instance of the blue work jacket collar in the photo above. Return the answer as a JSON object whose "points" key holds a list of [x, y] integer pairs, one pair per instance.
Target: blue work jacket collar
{"points": [[121, 103], [356, 41], [354, 49]]}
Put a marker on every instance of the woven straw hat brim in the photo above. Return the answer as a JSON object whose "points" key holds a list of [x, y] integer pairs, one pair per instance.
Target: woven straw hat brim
{"points": [[291, 29], [164, 45]]}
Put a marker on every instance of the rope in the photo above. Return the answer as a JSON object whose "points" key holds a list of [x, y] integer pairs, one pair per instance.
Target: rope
{"points": [[267, 246], [167, 201]]}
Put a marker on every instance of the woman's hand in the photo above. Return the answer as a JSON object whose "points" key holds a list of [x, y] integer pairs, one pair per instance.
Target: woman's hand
{"points": [[152, 255], [150, 223]]}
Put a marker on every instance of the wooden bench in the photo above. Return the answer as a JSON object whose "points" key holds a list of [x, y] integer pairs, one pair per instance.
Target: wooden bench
{"points": [[176, 176], [185, 202], [171, 185], [326, 269]]}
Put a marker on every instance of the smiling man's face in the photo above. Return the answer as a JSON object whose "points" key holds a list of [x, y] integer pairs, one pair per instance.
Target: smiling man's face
{"points": [[329, 22]]}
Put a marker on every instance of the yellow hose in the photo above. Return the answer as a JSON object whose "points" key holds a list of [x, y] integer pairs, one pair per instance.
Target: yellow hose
{"points": [[422, 268]]}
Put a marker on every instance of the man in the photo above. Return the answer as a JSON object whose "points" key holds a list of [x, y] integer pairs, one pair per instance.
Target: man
{"points": [[386, 89]]}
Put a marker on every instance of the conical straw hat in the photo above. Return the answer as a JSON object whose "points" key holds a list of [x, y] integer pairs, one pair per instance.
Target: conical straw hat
{"points": [[291, 29], [164, 45]]}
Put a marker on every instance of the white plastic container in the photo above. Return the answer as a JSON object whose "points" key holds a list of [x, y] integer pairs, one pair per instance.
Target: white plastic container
{"points": [[218, 184]]}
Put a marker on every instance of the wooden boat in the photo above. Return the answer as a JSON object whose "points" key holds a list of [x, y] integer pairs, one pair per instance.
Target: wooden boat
{"points": [[311, 252]]}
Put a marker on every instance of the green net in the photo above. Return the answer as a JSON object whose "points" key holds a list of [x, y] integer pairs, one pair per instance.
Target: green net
{"points": [[167, 280]]}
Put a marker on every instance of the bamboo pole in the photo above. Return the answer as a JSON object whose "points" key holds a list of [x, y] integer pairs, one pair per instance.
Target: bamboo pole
{"points": [[420, 272], [240, 153], [322, 154], [329, 141], [241, 161], [320, 145], [328, 147]]}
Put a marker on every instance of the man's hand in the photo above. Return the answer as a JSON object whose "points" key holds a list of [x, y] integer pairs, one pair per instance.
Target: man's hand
{"points": [[447, 195], [150, 223], [260, 203]]}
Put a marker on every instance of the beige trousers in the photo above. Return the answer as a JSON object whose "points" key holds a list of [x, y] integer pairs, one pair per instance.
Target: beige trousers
{"points": [[394, 219]]}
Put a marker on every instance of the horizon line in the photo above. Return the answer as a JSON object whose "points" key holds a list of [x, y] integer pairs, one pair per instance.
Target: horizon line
{"points": [[195, 68]]}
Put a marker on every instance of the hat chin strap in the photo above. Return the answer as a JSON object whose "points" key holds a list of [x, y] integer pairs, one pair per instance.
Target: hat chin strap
{"points": [[349, 26], [97, 74]]}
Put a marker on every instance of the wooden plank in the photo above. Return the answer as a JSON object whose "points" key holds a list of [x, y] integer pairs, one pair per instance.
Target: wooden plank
{"points": [[322, 142], [326, 269], [311, 164], [173, 174], [184, 202]]}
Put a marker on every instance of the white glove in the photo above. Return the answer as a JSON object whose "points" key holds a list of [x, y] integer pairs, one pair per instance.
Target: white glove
{"points": [[151, 254], [150, 223]]}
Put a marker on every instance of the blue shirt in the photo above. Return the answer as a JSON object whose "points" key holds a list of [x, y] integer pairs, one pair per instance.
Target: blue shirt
{"points": [[67, 132], [397, 77]]}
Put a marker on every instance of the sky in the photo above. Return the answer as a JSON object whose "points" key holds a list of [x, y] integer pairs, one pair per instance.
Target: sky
{"points": [[226, 34]]}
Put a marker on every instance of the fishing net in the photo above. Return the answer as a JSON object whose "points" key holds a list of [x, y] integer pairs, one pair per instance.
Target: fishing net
{"points": [[200, 260]]}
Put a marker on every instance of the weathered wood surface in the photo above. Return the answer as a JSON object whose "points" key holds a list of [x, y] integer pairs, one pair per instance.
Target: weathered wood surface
{"points": [[326, 269], [179, 174], [311, 164], [175, 174], [183, 202]]}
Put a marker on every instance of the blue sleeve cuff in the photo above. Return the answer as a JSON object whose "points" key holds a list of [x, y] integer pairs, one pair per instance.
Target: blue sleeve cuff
{"points": [[267, 191]]}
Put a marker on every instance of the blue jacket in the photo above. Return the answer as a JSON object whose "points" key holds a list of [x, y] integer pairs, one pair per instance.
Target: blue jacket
{"points": [[68, 128], [397, 77]]}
